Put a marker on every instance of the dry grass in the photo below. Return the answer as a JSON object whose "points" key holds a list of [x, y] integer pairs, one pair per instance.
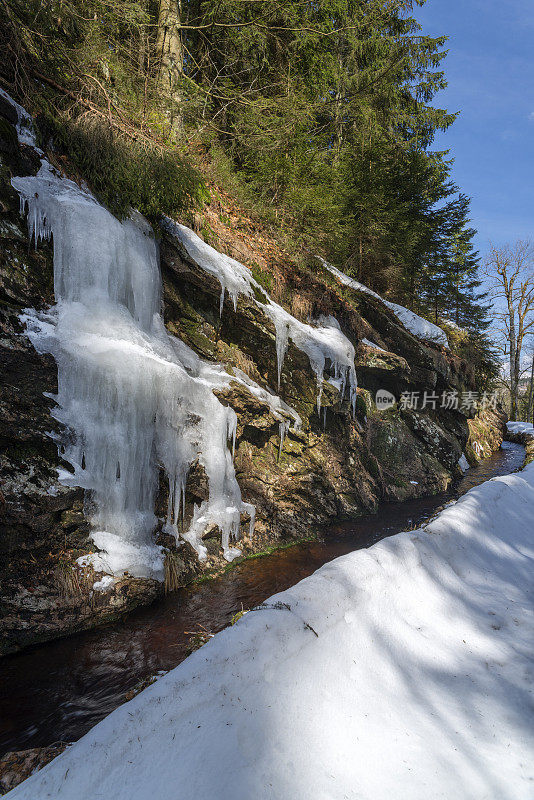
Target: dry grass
{"points": [[73, 582], [198, 638], [237, 358], [173, 567], [279, 289], [301, 307]]}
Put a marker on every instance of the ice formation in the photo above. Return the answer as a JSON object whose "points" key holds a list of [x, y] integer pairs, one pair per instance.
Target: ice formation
{"points": [[24, 126], [463, 463], [369, 343], [420, 327], [280, 410], [283, 427], [322, 343], [234, 277], [131, 398], [328, 349], [104, 584]]}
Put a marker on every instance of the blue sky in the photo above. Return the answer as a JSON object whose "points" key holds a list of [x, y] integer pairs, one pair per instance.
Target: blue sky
{"points": [[490, 70]]}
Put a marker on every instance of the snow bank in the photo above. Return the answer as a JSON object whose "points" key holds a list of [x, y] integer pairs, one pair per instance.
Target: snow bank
{"points": [[420, 327], [520, 427], [330, 353], [401, 671]]}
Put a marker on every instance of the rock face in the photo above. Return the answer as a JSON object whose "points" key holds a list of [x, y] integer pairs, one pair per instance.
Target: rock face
{"points": [[487, 430], [334, 465]]}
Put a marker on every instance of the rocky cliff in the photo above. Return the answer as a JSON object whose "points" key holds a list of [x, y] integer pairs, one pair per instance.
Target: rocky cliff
{"points": [[335, 464]]}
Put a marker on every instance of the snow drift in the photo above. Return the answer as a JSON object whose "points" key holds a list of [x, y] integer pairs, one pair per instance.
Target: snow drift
{"points": [[420, 327], [402, 671]]}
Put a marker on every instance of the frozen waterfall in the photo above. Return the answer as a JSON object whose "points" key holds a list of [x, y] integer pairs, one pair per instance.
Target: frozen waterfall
{"points": [[131, 398]]}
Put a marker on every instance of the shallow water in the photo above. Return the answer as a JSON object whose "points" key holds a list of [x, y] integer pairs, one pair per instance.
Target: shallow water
{"points": [[58, 691]]}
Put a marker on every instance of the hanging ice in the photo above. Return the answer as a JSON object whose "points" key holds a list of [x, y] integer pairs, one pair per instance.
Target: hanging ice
{"points": [[280, 410], [283, 428], [322, 342], [131, 398], [234, 277], [25, 132]]}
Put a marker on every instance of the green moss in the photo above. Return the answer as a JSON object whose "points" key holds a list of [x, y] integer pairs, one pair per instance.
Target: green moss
{"points": [[190, 330], [372, 468], [263, 277], [209, 235], [212, 574], [365, 404], [260, 296], [123, 173]]}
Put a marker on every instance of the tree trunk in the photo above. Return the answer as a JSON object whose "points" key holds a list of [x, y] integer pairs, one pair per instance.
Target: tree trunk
{"points": [[531, 394], [517, 376], [171, 55], [513, 359]]}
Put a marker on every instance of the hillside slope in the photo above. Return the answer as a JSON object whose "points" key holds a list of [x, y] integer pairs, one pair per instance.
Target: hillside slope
{"points": [[297, 477]]}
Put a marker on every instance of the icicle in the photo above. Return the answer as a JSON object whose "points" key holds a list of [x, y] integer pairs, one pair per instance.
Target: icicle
{"points": [[353, 398], [283, 427], [282, 340], [232, 428], [278, 408], [320, 341], [252, 513], [324, 418], [319, 395], [221, 301]]}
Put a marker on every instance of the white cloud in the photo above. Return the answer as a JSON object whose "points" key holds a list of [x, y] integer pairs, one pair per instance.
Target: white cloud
{"points": [[531, 116]]}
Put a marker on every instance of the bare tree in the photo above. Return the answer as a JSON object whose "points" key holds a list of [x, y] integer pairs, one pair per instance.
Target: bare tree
{"points": [[510, 270]]}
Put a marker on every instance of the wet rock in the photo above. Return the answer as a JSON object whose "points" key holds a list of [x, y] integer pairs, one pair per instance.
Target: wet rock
{"points": [[15, 767], [45, 611]]}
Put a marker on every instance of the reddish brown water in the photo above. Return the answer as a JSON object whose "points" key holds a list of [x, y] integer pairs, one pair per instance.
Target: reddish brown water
{"points": [[56, 692]]}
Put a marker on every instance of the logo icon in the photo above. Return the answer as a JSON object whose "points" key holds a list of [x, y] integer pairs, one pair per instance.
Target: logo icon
{"points": [[384, 400]]}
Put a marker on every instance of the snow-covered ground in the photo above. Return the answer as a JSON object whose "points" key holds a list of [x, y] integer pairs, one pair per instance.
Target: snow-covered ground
{"points": [[520, 427], [401, 672]]}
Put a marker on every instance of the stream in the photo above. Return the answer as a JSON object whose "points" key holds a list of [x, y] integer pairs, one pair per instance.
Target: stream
{"points": [[57, 691]]}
